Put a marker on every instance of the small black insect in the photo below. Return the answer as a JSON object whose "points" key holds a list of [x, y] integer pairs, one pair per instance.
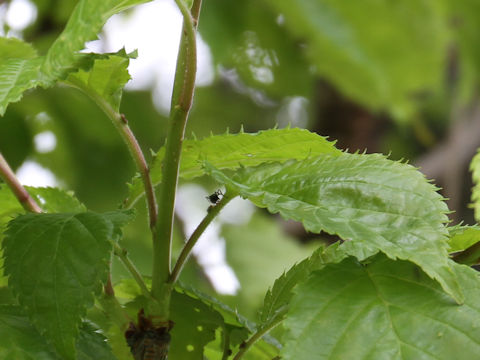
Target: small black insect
{"points": [[215, 197], [147, 341]]}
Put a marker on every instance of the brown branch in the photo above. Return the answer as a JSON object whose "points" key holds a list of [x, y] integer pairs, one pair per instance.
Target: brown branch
{"points": [[23, 197]]}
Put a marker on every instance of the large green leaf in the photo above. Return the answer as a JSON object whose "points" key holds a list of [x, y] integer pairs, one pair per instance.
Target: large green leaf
{"points": [[382, 309], [20, 340], [386, 205], [378, 52], [231, 151], [50, 199], [55, 263], [21, 71]]}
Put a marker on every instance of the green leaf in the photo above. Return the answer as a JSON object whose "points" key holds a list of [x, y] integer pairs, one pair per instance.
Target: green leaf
{"points": [[462, 237], [20, 340], [106, 79], [278, 297], [195, 324], [55, 263], [92, 345], [475, 169], [377, 52], [231, 151], [84, 24], [23, 72], [386, 205], [17, 76], [13, 48], [381, 310], [9, 205], [51, 200]]}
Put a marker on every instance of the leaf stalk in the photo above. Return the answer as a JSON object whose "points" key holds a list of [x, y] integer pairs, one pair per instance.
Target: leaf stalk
{"points": [[121, 124], [122, 254], [257, 336], [213, 211], [22, 195]]}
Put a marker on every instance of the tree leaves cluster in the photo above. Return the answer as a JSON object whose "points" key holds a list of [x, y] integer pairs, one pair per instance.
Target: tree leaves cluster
{"points": [[387, 289]]}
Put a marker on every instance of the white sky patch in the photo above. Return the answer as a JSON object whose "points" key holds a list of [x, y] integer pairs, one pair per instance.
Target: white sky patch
{"points": [[293, 112], [210, 252], [33, 174], [154, 29], [45, 142], [20, 14]]}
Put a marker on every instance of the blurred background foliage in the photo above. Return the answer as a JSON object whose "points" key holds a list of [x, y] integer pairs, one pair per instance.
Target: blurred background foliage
{"points": [[398, 77]]}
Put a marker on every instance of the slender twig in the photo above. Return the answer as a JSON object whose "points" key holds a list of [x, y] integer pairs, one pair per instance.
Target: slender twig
{"points": [[182, 96], [187, 248], [257, 336], [23, 197], [121, 124], [122, 255]]}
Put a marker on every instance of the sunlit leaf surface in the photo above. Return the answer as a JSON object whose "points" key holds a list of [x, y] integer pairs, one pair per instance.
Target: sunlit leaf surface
{"points": [[366, 198]]}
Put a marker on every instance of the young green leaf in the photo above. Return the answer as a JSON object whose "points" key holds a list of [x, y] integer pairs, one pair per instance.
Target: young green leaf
{"points": [[381, 310], [231, 151], [462, 237], [55, 263], [388, 206], [106, 79], [20, 70], [278, 297], [85, 23]]}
